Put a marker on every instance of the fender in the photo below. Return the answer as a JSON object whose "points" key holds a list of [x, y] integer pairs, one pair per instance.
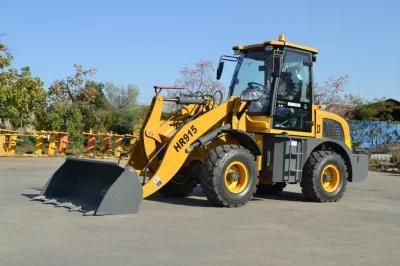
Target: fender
{"points": [[357, 164], [245, 139]]}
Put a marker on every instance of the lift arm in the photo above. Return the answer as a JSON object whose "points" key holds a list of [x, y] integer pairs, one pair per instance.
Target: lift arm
{"points": [[177, 151]]}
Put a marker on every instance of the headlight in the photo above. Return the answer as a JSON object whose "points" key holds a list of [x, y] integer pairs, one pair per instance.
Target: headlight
{"points": [[250, 95]]}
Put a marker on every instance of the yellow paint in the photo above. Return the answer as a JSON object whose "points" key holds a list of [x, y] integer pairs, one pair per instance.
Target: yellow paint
{"points": [[8, 142], [167, 134], [320, 115], [260, 143], [259, 124], [330, 178], [281, 38], [2, 145], [236, 177], [39, 143], [149, 139], [118, 145], [53, 142], [173, 159], [155, 132], [12, 143], [280, 42]]}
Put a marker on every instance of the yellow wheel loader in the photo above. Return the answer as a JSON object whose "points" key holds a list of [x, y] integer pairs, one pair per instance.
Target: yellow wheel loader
{"points": [[266, 133]]}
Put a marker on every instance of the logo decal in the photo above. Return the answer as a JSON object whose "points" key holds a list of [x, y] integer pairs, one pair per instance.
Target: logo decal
{"points": [[185, 138]]}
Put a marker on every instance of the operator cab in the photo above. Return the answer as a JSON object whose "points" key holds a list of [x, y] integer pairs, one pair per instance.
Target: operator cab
{"points": [[280, 73]]}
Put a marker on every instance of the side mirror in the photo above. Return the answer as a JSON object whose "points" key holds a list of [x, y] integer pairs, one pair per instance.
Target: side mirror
{"points": [[220, 69], [277, 63], [250, 95], [317, 99]]}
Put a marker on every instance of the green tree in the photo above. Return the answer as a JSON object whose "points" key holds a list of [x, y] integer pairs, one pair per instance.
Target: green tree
{"points": [[126, 114], [378, 110], [22, 96], [5, 56], [69, 100], [96, 113]]}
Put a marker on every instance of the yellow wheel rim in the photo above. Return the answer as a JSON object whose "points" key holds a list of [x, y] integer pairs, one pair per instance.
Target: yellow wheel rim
{"points": [[236, 177], [330, 178]]}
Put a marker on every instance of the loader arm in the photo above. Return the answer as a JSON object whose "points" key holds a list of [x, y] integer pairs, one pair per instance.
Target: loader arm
{"points": [[176, 150]]}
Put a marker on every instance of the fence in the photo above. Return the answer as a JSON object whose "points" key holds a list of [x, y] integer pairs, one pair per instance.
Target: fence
{"points": [[365, 134], [53, 143], [373, 134]]}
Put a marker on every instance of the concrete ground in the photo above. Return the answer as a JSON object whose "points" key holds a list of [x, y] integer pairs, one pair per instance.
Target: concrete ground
{"points": [[362, 229]]}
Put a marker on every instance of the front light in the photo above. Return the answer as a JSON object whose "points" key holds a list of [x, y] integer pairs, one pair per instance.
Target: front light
{"points": [[250, 95]]}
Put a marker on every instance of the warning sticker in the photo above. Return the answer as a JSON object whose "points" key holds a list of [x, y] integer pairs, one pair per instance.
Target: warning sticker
{"points": [[157, 181]]}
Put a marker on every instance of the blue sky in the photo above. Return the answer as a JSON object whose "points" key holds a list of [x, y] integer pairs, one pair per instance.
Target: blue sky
{"points": [[147, 42]]}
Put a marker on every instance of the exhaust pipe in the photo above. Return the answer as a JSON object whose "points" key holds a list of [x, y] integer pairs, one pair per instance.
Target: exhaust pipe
{"points": [[93, 187]]}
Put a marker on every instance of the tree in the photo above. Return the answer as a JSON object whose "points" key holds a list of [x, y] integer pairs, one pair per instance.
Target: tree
{"points": [[378, 110], [69, 100], [22, 96], [330, 94], [200, 78], [5, 56], [126, 115]]}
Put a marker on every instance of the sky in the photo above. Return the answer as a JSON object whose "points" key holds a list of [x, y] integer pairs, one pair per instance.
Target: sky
{"points": [[147, 42]]}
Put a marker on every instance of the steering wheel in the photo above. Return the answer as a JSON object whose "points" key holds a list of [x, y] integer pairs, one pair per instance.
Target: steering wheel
{"points": [[255, 84]]}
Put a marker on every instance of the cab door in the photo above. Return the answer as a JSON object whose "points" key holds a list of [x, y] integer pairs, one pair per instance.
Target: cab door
{"points": [[293, 105]]}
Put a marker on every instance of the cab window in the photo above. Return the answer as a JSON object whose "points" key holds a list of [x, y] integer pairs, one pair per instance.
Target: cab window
{"points": [[294, 94], [254, 72]]}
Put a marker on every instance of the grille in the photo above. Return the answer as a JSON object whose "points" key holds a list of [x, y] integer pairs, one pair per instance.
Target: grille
{"points": [[332, 129]]}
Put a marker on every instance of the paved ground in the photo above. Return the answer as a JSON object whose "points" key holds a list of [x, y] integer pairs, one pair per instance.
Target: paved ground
{"points": [[362, 229]]}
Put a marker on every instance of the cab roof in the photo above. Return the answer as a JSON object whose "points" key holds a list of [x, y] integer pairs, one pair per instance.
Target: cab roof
{"points": [[280, 42]]}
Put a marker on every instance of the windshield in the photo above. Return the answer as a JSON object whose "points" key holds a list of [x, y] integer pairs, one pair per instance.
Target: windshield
{"points": [[253, 71]]}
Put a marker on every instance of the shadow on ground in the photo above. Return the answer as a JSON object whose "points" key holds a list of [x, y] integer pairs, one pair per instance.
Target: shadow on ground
{"points": [[198, 199], [283, 196], [30, 196]]}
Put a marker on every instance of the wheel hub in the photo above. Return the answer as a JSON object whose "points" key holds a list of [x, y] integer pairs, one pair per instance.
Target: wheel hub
{"points": [[330, 178], [236, 177]]}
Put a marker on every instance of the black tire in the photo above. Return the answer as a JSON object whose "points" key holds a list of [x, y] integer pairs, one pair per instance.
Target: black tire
{"points": [[213, 176], [312, 184], [270, 189], [182, 184]]}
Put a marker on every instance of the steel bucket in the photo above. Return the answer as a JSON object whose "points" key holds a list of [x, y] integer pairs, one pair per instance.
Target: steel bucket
{"points": [[93, 187]]}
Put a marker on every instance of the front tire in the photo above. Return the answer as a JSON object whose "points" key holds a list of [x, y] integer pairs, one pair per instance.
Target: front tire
{"points": [[229, 176], [324, 177], [182, 184]]}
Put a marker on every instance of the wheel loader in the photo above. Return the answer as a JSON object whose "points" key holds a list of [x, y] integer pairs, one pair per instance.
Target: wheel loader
{"points": [[267, 132]]}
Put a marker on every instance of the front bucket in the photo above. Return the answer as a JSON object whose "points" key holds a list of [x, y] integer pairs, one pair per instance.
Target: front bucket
{"points": [[93, 187]]}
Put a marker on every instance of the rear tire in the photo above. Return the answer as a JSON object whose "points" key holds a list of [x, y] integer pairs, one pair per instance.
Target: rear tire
{"points": [[324, 177], [229, 176], [274, 189]]}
